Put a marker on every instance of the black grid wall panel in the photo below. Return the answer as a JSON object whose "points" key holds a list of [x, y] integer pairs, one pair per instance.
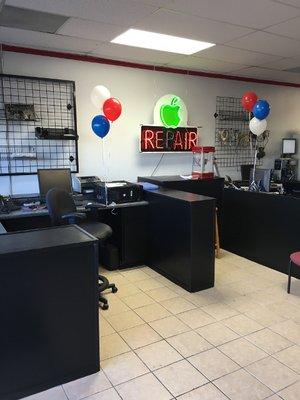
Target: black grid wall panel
{"points": [[233, 142], [21, 152]]}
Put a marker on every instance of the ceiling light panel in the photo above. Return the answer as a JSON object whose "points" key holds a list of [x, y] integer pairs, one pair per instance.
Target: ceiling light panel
{"points": [[158, 41]]}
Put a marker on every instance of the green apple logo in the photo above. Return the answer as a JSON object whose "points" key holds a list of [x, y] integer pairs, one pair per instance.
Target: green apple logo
{"points": [[169, 113]]}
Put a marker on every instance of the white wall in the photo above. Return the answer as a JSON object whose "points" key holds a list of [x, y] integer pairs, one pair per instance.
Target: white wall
{"points": [[117, 156]]}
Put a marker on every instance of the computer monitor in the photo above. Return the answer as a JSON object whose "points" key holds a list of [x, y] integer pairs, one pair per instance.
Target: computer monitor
{"points": [[262, 178], [59, 178], [289, 146]]}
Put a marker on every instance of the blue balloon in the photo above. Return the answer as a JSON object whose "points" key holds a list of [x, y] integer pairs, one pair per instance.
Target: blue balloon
{"points": [[100, 125], [261, 109]]}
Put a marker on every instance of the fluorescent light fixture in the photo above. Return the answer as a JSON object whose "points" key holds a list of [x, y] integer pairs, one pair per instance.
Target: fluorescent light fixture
{"points": [[159, 41]]}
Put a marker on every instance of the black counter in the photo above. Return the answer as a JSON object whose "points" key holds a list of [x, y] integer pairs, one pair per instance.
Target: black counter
{"points": [[181, 237], [262, 227], [49, 309], [207, 187]]}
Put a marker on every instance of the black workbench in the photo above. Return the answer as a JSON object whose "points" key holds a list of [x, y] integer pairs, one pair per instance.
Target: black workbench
{"points": [[181, 237], [49, 309], [262, 227]]}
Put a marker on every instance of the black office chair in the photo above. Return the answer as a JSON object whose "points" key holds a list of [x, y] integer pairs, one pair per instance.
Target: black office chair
{"points": [[62, 210]]}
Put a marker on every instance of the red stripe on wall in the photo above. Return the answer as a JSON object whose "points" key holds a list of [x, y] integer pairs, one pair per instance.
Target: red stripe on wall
{"points": [[128, 64]]}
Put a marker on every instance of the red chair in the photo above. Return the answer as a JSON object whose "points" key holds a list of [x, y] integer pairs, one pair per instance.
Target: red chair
{"points": [[294, 260]]}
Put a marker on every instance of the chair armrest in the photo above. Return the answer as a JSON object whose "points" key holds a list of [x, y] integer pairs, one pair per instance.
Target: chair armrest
{"points": [[73, 218]]}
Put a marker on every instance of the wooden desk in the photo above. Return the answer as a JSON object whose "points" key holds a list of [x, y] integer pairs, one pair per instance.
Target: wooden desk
{"points": [[49, 309]]}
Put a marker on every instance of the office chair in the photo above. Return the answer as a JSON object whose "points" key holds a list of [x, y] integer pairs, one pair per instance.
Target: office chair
{"points": [[62, 210]]}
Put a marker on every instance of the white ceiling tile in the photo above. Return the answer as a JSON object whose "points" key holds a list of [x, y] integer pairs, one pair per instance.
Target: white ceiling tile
{"points": [[289, 28], [121, 52], [283, 63], [264, 73], [239, 56], [268, 43], [86, 29], [204, 64], [295, 3], [255, 13], [179, 24], [119, 12], [45, 40]]}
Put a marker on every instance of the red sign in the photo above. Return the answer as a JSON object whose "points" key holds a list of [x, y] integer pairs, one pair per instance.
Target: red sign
{"points": [[161, 139]]}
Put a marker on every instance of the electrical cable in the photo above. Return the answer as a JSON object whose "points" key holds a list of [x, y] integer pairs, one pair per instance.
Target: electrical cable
{"points": [[158, 164]]}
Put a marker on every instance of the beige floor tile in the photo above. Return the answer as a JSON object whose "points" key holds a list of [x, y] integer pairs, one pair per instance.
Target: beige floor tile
{"points": [[161, 294], [273, 374], [169, 326], [242, 304], [116, 306], [242, 325], [138, 300], [240, 385], [291, 393], [118, 279], [124, 367], [109, 394], [200, 298], [291, 358], [177, 289], [148, 284], [152, 312], [150, 272], [269, 341], [213, 364], [180, 377], [196, 318], [127, 290], [134, 275], [219, 311], [146, 387], [205, 392], [56, 393], [217, 333], [178, 305], [242, 351], [112, 345], [274, 397], [158, 355], [189, 343], [86, 386], [263, 315], [104, 327], [140, 336], [288, 329], [126, 320]]}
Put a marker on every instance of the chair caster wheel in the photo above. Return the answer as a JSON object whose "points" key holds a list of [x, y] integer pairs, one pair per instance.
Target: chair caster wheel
{"points": [[104, 307], [114, 290]]}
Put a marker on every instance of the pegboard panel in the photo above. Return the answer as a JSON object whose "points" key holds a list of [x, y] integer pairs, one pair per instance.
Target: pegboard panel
{"points": [[37, 125], [234, 143]]}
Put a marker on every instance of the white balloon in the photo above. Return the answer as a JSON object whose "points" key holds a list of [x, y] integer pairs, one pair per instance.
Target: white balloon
{"points": [[99, 94], [257, 127]]}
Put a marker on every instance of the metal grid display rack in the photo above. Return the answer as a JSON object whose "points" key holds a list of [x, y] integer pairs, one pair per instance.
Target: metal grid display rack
{"points": [[37, 125], [234, 143]]}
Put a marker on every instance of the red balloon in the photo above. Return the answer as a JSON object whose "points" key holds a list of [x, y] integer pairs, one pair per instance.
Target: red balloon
{"points": [[112, 108], [248, 100]]}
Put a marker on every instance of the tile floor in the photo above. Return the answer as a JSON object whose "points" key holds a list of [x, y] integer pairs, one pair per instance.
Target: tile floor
{"points": [[239, 340]]}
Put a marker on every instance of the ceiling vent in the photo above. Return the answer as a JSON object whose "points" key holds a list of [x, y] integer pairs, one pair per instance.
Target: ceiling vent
{"points": [[15, 17]]}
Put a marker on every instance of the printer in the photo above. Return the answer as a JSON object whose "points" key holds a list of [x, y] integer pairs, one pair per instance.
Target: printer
{"points": [[118, 192], [86, 185]]}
